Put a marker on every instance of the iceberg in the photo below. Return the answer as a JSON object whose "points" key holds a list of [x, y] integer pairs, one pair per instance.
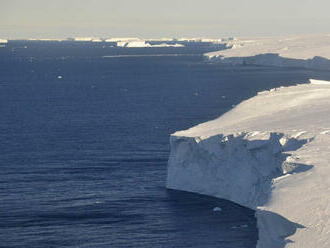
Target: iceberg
{"points": [[138, 44], [309, 51], [275, 160], [123, 39], [165, 42], [143, 43]]}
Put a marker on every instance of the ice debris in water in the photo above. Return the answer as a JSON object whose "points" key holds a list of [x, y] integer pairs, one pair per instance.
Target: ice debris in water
{"points": [[240, 226], [217, 209]]}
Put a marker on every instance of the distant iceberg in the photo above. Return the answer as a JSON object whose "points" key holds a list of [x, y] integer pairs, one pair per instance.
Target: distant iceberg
{"points": [[142, 43], [123, 39], [135, 42], [139, 43], [88, 39]]}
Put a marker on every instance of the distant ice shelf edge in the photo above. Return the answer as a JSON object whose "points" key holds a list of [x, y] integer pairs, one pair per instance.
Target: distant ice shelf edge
{"points": [[275, 160], [307, 51]]}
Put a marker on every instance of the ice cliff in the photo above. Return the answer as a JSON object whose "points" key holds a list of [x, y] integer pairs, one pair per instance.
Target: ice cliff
{"points": [[274, 160], [309, 51]]}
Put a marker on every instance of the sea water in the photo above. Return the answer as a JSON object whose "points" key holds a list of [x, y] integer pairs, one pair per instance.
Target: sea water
{"points": [[85, 141]]}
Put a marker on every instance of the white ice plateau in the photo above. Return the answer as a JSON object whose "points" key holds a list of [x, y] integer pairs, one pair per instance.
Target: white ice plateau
{"points": [[309, 51], [273, 159]]}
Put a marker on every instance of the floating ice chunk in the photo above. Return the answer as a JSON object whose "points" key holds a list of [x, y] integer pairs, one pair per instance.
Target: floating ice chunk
{"points": [[217, 209], [138, 44], [122, 44]]}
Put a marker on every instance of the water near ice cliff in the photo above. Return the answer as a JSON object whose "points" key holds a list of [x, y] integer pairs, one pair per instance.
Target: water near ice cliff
{"points": [[84, 156]]}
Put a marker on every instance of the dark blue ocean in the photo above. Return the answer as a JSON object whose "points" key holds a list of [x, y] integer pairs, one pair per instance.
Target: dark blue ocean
{"points": [[84, 145]]}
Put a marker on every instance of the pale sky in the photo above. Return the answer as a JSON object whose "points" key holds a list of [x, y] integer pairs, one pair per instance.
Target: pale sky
{"points": [[165, 18]]}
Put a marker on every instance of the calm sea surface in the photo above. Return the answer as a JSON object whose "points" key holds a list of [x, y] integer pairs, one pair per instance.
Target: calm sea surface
{"points": [[84, 145]]}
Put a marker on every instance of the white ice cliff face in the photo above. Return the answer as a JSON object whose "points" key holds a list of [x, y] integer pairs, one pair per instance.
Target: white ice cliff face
{"points": [[270, 153], [239, 167]]}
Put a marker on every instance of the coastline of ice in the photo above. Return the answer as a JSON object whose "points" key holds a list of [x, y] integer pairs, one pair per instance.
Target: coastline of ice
{"points": [[309, 51], [274, 160], [135, 42]]}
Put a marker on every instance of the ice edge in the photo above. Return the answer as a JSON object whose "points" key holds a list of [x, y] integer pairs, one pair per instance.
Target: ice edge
{"points": [[273, 160], [204, 165]]}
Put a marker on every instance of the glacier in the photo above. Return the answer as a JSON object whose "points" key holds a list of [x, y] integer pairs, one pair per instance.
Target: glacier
{"points": [[307, 51], [275, 160]]}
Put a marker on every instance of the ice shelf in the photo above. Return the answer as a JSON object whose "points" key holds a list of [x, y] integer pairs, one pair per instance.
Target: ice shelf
{"points": [[309, 51], [273, 159]]}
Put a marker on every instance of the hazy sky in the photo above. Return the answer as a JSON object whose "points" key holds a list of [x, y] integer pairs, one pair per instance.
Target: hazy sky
{"points": [[165, 18]]}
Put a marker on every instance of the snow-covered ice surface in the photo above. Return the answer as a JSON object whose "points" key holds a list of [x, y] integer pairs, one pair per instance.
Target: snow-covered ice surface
{"points": [[316, 81], [273, 159], [309, 51]]}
